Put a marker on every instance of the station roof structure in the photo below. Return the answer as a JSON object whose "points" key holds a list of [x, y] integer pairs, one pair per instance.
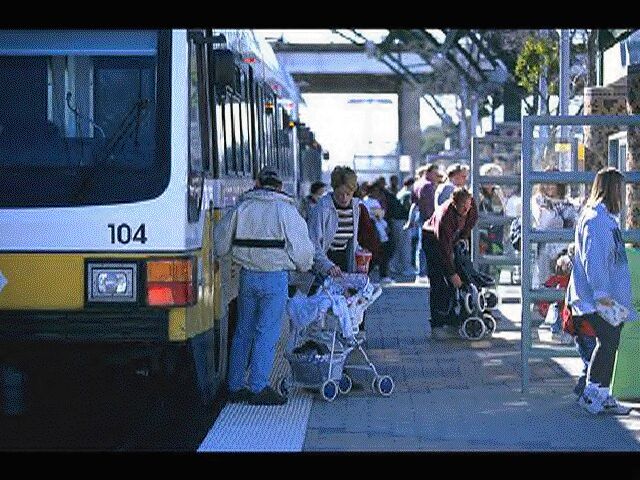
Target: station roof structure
{"points": [[438, 60]]}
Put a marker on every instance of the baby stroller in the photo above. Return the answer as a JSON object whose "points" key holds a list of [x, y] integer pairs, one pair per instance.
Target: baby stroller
{"points": [[325, 343], [471, 304]]}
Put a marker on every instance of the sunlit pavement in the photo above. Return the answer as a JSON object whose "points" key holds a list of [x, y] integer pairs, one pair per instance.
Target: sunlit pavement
{"points": [[457, 395]]}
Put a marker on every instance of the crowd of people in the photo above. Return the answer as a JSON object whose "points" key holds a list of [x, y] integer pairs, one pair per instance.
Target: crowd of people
{"points": [[413, 230]]}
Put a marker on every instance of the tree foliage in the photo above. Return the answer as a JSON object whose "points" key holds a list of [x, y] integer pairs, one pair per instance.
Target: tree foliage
{"points": [[433, 138], [536, 54]]}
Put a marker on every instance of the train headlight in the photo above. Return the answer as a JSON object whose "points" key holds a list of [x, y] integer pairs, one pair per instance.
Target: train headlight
{"points": [[111, 282]]}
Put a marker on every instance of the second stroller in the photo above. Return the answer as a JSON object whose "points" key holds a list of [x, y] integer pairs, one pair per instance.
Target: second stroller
{"points": [[471, 304]]}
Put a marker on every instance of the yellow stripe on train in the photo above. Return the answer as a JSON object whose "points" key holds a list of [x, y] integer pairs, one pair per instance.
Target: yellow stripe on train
{"points": [[56, 281], [38, 281]]}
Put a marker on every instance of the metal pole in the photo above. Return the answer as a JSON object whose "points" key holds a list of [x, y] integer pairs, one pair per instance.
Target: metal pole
{"points": [[525, 252], [565, 158], [475, 191], [564, 71]]}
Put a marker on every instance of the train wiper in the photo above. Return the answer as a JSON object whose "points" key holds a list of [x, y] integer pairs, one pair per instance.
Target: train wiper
{"points": [[132, 119]]}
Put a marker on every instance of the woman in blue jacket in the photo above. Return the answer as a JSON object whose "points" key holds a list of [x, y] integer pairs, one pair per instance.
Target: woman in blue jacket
{"points": [[600, 278]]}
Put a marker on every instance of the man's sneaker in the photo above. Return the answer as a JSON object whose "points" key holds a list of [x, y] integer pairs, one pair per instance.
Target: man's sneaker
{"points": [[611, 405], [242, 395], [386, 280], [423, 279], [267, 396]]}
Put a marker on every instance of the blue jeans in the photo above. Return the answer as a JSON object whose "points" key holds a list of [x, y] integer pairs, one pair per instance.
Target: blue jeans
{"points": [[261, 301]]}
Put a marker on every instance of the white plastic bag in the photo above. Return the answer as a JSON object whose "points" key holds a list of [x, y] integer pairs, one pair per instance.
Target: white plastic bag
{"points": [[615, 314]]}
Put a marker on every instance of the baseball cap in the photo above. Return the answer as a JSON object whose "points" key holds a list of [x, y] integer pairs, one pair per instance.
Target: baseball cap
{"points": [[268, 176]]}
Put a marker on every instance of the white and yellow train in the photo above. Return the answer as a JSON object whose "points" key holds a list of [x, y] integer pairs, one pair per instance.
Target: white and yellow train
{"points": [[119, 150]]}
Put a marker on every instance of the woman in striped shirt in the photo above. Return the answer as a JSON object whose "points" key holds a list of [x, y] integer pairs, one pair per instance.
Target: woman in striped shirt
{"points": [[333, 225]]}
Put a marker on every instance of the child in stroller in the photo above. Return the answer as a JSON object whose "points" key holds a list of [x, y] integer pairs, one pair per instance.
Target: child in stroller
{"points": [[325, 348], [470, 306]]}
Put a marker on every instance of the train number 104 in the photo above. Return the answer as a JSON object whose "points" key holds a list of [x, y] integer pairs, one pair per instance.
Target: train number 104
{"points": [[123, 233]]}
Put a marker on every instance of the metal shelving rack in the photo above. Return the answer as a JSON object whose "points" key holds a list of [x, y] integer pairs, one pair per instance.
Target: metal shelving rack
{"points": [[486, 219], [531, 236]]}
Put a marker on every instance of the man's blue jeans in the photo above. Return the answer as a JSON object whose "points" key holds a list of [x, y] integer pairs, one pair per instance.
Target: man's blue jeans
{"points": [[261, 301]]}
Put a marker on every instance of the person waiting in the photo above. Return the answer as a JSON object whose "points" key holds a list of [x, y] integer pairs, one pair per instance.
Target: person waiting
{"points": [[601, 281], [457, 174], [422, 198], [317, 190]]}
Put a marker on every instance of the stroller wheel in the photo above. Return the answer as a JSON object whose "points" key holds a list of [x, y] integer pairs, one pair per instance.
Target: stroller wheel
{"points": [[473, 328], [384, 385], [284, 386], [467, 301], [345, 384], [481, 301], [490, 299], [329, 390], [489, 323]]}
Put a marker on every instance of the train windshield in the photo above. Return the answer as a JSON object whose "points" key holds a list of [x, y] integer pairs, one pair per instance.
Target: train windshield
{"points": [[83, 117]]}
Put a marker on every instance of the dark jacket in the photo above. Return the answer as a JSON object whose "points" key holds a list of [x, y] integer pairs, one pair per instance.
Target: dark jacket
{"points": [[367, 235], [448, 226], [395, 209]]}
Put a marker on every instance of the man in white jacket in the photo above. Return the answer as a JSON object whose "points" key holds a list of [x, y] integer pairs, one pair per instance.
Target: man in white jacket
{"points": [[266, 235]]}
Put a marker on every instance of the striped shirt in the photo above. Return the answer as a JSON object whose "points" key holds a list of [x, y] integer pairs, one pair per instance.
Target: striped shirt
{"points": [[345, 228]]}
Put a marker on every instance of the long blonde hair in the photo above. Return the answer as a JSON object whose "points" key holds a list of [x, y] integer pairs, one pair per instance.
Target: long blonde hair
{"points": [[607, 188]]}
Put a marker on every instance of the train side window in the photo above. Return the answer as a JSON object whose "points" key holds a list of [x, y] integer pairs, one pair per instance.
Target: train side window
{"points": [[203, 94], [273, 131], [260, 126], [237, 124], [268, 114], [195, 180], [279, 144], [244, 122], [251, 120], [237, 135], [228, 135], [217, 132], [233, 119]]}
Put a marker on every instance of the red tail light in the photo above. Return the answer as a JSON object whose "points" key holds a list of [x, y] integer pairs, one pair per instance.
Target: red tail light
{"points": [[170, 282]]}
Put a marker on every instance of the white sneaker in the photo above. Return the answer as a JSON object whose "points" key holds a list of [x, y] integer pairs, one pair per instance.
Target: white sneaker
{"points": [[423, 280], [387, 280], [611, 405], [591, 399]]}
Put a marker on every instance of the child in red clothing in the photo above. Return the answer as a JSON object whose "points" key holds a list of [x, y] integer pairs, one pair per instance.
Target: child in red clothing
{"points": [[560, 279], [585, 339]]}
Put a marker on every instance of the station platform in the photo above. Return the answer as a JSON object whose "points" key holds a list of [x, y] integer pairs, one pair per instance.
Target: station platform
{"points": [[450, 396]]}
